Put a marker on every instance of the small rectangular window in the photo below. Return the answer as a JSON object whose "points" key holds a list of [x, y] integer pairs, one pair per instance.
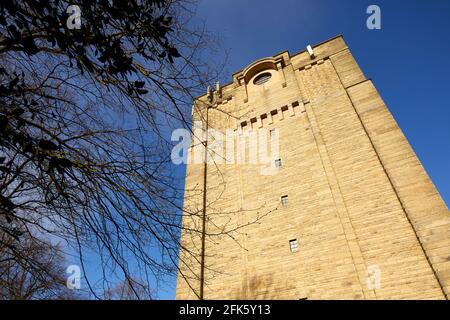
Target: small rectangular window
{"points": [[284, 200], [293, 244], [272, 132], [277, 163]]}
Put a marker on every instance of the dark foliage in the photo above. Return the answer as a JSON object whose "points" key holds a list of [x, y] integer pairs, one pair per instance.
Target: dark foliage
{"points": [[84, 121]]}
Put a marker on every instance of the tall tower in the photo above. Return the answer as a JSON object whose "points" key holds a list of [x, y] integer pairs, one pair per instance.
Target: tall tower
{"points": [[345, 210]]}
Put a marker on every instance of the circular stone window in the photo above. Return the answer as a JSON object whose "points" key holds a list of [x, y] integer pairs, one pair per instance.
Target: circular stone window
{"points": [[262, 78]]}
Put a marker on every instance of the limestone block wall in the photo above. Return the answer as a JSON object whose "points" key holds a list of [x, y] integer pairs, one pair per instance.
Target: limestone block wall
{"points": [[360, 205]]}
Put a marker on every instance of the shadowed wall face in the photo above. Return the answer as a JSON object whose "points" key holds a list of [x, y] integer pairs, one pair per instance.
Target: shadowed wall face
{"points": [[345, 210]]}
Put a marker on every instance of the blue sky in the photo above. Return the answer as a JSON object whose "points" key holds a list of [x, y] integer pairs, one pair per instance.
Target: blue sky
{"points": [[408, 59]]}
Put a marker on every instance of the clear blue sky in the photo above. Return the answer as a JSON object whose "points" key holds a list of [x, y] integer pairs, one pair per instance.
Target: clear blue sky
{"points": [[408, 59]]}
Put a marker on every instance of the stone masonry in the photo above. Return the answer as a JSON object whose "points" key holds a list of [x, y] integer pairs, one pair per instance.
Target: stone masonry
{"points": [[368, 222]]}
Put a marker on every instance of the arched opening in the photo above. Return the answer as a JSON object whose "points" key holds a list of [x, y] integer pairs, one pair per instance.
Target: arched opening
{"points": [[262, 78]]}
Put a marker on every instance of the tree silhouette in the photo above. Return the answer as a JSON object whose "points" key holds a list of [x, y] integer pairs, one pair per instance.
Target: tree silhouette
{"points": [[32, 270], [84, 121]]}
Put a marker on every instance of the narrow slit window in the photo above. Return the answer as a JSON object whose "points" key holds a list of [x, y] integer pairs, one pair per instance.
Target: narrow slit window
{"points": [[293, 244], [284, 200], [263, 118], [278, 163]]}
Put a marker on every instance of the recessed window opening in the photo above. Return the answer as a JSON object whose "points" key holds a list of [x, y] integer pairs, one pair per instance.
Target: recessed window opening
{"points": [[277, 163], [293, 244], [262, 78], [284, 200]]}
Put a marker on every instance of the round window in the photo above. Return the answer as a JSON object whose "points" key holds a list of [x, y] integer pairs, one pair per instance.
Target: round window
{"points": [[262, 78]]}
